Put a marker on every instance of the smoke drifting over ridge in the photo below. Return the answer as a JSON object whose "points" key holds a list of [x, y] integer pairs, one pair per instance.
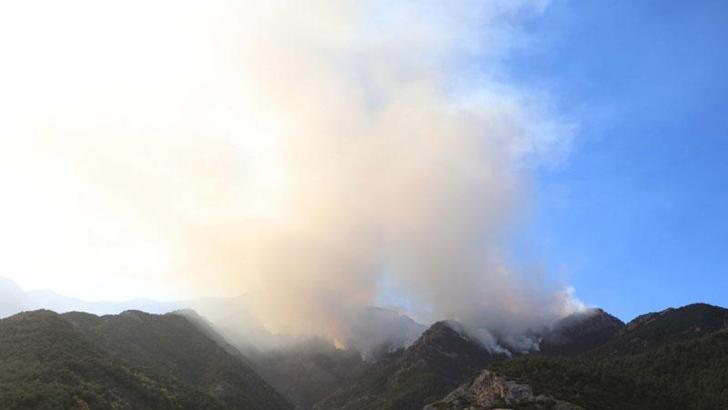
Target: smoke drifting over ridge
{"points": [[302, 154]]}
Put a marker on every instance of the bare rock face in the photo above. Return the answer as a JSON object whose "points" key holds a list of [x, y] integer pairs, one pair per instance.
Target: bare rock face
{"points": [[489, 390]]}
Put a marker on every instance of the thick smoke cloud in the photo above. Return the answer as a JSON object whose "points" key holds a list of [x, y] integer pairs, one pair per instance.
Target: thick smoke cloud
{"points": [[302, 154]]}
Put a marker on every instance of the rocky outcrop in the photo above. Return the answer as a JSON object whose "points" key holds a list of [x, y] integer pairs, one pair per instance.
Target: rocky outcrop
{"points": [[489, 390]]}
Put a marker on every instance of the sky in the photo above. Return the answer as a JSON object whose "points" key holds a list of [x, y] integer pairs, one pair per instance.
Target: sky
{"points": [[637, 216], [555, 153]]}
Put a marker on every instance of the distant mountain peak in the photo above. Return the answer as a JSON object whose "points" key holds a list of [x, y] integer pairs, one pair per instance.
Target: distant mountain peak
{"points": [[443, 329], [437, 362], [667, 326]]}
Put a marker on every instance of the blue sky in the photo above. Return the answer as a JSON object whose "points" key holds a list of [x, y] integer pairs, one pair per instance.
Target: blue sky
{"points": [[638, 214]]}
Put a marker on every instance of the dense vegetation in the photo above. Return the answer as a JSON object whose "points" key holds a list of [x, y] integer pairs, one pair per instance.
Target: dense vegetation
{"points": [[308, 372], [435, 364], [133, 360], [581, 332], [677, 359]]}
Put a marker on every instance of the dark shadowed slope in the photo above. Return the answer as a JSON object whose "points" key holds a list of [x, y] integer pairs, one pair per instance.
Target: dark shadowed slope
{"points": [[133, 360], [653, 330], [581, 332], [308, 372], [436, 363], [173, 345], [675, 359]]}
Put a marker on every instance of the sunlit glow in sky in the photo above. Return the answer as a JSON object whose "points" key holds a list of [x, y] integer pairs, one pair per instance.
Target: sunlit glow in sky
{"points": [[300, 154], [453, 153]]}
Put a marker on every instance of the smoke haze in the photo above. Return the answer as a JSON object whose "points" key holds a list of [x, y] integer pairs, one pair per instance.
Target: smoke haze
{"points": [[317, 157]]}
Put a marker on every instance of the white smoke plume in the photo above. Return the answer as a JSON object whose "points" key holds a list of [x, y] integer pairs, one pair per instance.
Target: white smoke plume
{"points": [[301, 153]]}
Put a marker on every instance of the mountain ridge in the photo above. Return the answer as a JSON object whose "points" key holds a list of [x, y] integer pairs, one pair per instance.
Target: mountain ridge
{"points": [[132, 360], [441, 359], [675, 358]]}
